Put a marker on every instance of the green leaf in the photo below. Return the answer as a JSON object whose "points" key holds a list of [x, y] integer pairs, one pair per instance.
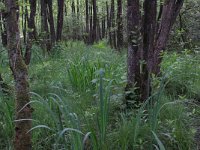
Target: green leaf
{"points": [[160, 144]]}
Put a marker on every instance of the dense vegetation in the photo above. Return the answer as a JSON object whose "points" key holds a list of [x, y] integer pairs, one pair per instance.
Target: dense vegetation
{"points": [[66, 100], [78, 87]]}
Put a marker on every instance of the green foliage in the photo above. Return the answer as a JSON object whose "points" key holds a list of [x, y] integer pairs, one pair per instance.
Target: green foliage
{"points": [[183, 74], [77, 95]]}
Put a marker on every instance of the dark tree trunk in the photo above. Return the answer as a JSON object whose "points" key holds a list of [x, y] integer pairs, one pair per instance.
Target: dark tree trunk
{"points": [[149, 30], [103, 25], [23, 112], [74, 20], [170, 11], [25, 22], [87, 21], [144, 56], [94, 28], [51, 22], [108, 24], [60, 19], [32, 35], [133, 72], [44, 27], [119, 25], [78, 17], [91, 24], [112, 19]]}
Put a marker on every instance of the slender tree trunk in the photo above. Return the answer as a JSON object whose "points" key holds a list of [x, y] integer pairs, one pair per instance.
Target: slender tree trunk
{"points": [[94, 28], [25, 19], [60, 19], [170, 11], [119, 25], [87, 21], [108, 24], [44, 27], [74, 20], [78, 20], [32, 35], [112, 19], [103, 24], [149, 31], [23, 112], [51, 22]]}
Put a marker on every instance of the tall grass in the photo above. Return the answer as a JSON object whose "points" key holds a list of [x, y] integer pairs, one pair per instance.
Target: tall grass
{"points": [[78, 105]]}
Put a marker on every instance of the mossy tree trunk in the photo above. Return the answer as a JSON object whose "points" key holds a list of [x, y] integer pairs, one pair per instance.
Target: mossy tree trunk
{"points": [[22, 139]]}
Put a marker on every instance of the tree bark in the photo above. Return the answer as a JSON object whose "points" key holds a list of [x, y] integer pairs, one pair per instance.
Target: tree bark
{"points": [[23, 113], [51, 22], [170, 11], [133, 65], [94, 28], [60, 19], [87, 21], [149, 32], [108, 24], [112, 20], [44, 27], [119, 25], [74, 20], [32, 35], [144, 55]]}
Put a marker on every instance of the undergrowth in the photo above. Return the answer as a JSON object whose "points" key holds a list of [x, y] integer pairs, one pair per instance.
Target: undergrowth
{"points": [[77, 94]]}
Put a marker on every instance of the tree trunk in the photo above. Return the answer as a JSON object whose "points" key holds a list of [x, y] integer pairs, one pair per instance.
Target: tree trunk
{"points": [[94, 28], [74, 20], [87, 21], [78, 20], [134, 53], [91, 24], [170, 11], [103, 24], [32, 35], [108, 24], [119, 25], [112, 20], [60, 19], [22, 139], [51, 22], [44, 27], [144, 56], [149, 30]]}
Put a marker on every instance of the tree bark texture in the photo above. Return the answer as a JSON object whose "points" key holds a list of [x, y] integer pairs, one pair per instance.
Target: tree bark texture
{"points": [[22, 140], [134, 53], [144, 55], [51, 21], [119, 25], [94, 27], [60, 19], [32, 35], [112, 20]]}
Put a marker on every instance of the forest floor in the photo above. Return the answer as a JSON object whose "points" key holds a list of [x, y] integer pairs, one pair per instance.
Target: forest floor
{"points": [[77, 95]]}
